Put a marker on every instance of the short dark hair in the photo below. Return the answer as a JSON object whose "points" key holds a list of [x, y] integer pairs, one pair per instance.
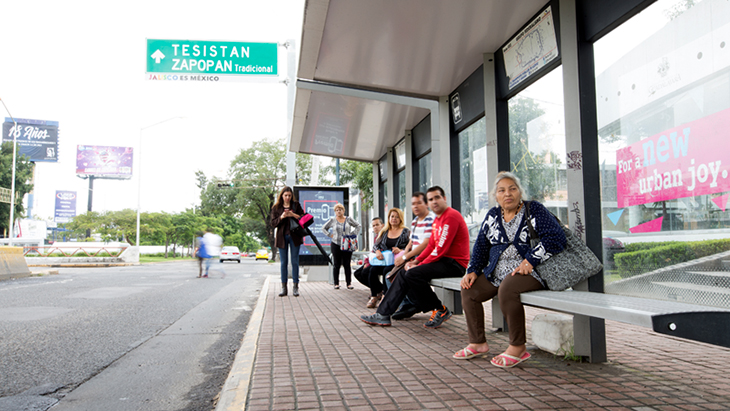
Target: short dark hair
{"points": [[436, 188], [379, 219], [422, 195]]}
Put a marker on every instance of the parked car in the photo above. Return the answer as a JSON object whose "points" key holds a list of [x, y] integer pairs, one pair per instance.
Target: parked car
{"points": [[230, 253], [262, 254], [252, 255]]}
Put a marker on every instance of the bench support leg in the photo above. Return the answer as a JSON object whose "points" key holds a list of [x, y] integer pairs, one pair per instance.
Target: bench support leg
{"points": [[498, 320], [590, 338]]}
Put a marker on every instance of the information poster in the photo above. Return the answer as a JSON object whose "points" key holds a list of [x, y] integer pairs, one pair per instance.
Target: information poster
{"points": [[320, 203]]}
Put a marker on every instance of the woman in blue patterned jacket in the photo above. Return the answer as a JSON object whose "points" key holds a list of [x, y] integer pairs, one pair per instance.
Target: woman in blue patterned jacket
{"points": [[502, 264]]}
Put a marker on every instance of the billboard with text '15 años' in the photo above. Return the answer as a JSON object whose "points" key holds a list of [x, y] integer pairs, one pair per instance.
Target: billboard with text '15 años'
{"points": [[104, 161]]}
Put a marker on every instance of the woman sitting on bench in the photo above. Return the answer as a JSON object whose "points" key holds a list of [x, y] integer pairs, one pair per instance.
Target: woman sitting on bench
{"points": [[502, 264]]}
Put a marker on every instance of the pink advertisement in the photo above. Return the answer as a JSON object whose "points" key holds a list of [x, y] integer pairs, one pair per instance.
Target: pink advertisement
{"points": [[684, 161]]}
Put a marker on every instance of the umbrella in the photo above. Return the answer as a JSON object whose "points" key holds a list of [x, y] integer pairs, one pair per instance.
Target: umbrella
{"points": [[316, 242]]}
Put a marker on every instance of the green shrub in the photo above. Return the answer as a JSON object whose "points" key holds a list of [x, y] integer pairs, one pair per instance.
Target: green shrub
{"points": [[644, 257]]}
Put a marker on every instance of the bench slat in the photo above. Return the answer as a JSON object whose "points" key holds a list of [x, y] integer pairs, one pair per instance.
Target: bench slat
{"points": [[632, 310]]}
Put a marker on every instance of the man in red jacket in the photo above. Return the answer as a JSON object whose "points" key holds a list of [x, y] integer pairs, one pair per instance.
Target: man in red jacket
{"points": [[447, 255]]}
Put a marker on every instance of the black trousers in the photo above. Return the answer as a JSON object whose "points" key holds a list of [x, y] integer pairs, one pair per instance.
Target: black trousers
{"points": [[414, 283], [377, 271], [341, 258]]}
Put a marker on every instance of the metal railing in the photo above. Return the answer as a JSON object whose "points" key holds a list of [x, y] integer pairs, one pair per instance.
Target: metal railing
{"points": [[72, 251]]}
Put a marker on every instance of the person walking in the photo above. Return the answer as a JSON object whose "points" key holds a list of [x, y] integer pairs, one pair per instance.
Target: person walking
{"points": [[285, 212], [200, 253], [503, 264], [212, 243], [337, 228]]}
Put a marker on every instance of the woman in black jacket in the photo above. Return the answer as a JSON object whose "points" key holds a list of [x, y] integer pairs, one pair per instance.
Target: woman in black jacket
{"points": [[285, 209]]}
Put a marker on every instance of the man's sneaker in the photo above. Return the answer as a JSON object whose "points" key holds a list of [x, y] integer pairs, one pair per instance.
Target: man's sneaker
{"points": [[407, 311], [438, 317], [376, 319]]}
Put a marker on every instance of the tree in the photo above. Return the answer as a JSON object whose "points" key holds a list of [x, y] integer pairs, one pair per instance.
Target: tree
{"points": [[23, 175], [537, 176], [360, 174]]}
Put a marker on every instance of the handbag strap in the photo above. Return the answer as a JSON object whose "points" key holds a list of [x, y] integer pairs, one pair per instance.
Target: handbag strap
{"points": [[533, 233]]}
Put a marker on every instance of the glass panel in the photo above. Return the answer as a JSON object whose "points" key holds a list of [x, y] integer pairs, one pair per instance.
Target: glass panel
{"points": [[424, 173], [402, 191], [663, 100], [383, 166], [473, 172], [400, 156], [537, 142]]}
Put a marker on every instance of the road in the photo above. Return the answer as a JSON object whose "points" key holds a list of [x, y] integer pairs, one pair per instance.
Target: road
{"points": [[149, 337]]}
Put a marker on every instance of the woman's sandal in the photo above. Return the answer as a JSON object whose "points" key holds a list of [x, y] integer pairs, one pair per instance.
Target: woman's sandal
{"points": [[349, 287], [469, 353], [337, 287], [509, 361]]}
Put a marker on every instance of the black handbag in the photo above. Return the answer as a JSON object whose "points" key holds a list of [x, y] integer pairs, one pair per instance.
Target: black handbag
{"points": [[295, 228], [569, 267]]}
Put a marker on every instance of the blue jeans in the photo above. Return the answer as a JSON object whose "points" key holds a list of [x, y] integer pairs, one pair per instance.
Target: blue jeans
{"points": [[289, 245]]}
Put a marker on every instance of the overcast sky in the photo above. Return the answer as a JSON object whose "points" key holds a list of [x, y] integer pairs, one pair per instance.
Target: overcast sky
{"points": [[82, 64]]}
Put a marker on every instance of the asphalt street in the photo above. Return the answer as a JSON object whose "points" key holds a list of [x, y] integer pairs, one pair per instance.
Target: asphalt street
{"points": [[149, 337]]}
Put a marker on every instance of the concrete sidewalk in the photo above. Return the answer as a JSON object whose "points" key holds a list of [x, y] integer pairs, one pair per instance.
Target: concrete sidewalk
{"points": [[313, 352]]}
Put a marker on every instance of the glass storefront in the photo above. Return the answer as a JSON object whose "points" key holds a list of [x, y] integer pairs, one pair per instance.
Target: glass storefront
{"points": [[400, 166], [474, 188], [663, 103], [537, 142]]}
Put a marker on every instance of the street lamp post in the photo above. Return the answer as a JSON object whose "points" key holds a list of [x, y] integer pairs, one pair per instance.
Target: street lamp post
{"points": [[12, 181], [139, 169]]}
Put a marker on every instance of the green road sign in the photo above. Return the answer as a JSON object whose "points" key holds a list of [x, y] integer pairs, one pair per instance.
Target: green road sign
{"points": [[221, 58]]}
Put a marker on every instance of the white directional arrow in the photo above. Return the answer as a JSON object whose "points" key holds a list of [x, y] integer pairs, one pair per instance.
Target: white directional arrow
{"points": [[157, 55]]}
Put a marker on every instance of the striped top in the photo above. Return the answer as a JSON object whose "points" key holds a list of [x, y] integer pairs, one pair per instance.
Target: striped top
{"points": [[421, 230]]}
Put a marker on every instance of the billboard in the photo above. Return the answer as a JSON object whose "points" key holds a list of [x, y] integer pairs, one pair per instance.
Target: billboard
{"points": [[684, 161], [320, 203], [104, 161], [65, 206], [37, 139]]}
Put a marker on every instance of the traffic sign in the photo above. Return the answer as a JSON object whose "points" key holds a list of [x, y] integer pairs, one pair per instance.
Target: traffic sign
{"points": [[219, 58]]}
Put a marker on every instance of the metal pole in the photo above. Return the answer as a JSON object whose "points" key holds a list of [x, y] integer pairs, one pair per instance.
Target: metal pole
{"points": [[12, 182], [139, 170]]}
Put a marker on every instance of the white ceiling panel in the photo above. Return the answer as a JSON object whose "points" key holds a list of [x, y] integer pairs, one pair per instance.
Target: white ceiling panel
{"points": [[354, 128], [421, 47]]}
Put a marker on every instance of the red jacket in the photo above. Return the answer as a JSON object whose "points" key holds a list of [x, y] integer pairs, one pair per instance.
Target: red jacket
{"points": [[449, 238]]}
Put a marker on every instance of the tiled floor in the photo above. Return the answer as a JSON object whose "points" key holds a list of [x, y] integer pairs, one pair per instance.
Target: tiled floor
{"points": [[315, 353]]}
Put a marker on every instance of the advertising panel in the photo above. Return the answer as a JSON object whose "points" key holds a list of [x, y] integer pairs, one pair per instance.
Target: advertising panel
{"points": [[684, 161], [531, 49], [37, 139], [320, 203], [104, 161], [65, 206]]}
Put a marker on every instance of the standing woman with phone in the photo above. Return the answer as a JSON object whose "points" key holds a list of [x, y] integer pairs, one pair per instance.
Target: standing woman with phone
{"points": [[336, 228], [285, 209]]}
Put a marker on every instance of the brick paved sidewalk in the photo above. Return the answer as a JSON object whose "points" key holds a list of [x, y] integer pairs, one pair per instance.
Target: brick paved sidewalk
{"points": [[315, 353]]}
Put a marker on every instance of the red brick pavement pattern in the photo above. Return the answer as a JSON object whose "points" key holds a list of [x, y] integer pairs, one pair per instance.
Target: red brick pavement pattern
{"points": [[315, 353]]}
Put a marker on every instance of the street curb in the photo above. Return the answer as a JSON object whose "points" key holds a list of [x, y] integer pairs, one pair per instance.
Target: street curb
{"points": [[235, 390]]}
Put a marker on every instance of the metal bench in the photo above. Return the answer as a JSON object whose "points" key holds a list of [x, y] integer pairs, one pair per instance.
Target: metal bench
{"points": [[695, 322]]}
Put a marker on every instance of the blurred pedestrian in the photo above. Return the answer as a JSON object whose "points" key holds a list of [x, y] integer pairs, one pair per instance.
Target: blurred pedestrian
{"points": [[212, 243], [337, 228], [200, 253], [285, 212]]}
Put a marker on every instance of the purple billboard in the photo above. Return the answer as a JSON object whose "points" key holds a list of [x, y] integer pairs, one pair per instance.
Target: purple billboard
{"points": [[104, 161], [65, 206]]}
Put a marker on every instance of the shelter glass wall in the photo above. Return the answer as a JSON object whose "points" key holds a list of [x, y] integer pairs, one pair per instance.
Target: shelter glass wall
{"points": [[400, 179], [474, 188], [424, 172], [663, 106], [537, 142]]}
